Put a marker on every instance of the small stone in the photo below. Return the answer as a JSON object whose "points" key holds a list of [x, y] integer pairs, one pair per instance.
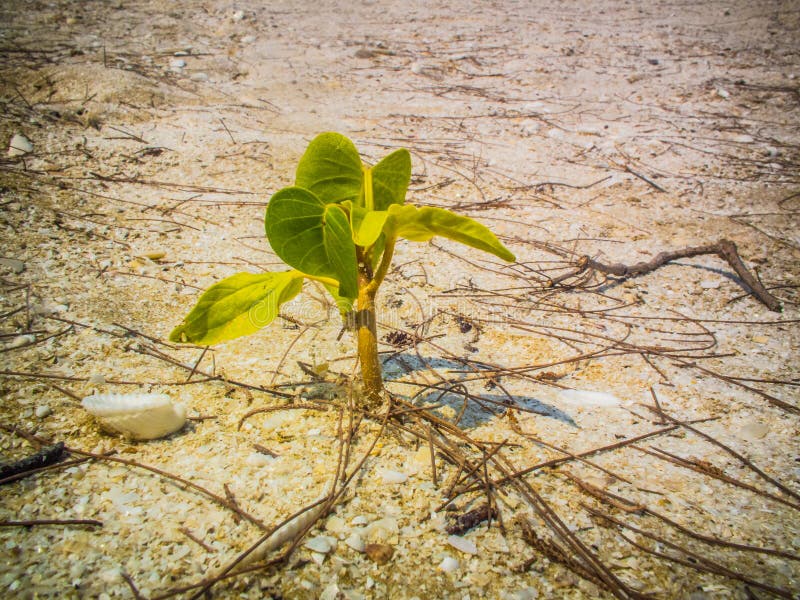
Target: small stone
{"points": [[355, 542], [19, 145], [319, 544], [528, 593], [199, 76], [462, 544], [14, 264], [754, 431], [177, 63], [379, 553], [335, 524], [359, 520], [382, 530], [388, 476], [257, 459], [97, 379], [709, 284], [422, 457], [21, 340], [448, 564], [112, 575], [155, 254], [331, 592], [238, 15], [248, 39], [760, 339], [42, 411]]}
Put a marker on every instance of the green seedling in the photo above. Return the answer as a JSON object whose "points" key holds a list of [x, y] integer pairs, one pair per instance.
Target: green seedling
{"points": [[337, 225]]}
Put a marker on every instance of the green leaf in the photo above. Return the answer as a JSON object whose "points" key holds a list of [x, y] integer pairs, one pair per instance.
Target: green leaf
{"points": [[331, 168], [366, 225], [239, 305], [421, 224], [313, 237], [390, 179], [377, 251], [345, 305]]}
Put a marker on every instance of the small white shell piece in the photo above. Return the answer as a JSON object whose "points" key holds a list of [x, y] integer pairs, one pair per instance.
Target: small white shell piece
{"points": [[136, 416]]}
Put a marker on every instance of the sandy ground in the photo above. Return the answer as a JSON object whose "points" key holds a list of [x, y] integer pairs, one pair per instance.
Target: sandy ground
{"points": [[611, 129]]}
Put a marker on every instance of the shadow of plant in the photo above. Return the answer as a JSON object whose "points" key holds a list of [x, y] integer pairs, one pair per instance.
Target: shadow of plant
{"points": [[456, 399]]}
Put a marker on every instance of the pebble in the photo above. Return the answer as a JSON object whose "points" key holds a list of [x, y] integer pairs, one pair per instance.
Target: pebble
{"points": [[448, 564], [422, 457], [379, 553], [754, 431], [257, 459], [388, 476], [42, 411], [331, 592], [359, 520], [14, 264], [528, 593], [248, 39], [335, 524], [21, 340], [462, 544], [19, 145], [97, 379], [238, 15], [355, 542], [177, 63], [709, 284], [319, 544]]}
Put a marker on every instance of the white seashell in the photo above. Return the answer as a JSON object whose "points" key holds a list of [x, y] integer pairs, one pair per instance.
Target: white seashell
{"points": [[136, 416]]}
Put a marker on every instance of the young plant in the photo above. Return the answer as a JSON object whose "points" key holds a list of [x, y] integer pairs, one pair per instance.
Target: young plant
{"points": [[337, 225]]}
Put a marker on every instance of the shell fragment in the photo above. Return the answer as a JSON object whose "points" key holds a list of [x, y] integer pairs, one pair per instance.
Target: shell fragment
{"points": [[136, 416]]}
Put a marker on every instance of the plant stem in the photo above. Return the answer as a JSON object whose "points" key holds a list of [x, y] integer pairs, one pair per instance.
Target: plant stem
{"points": [[383, 267], [366, 324], [372, 379]]}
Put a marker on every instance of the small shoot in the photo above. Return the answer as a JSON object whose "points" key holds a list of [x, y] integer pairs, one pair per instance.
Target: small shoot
{"points": [[337, 225]]}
